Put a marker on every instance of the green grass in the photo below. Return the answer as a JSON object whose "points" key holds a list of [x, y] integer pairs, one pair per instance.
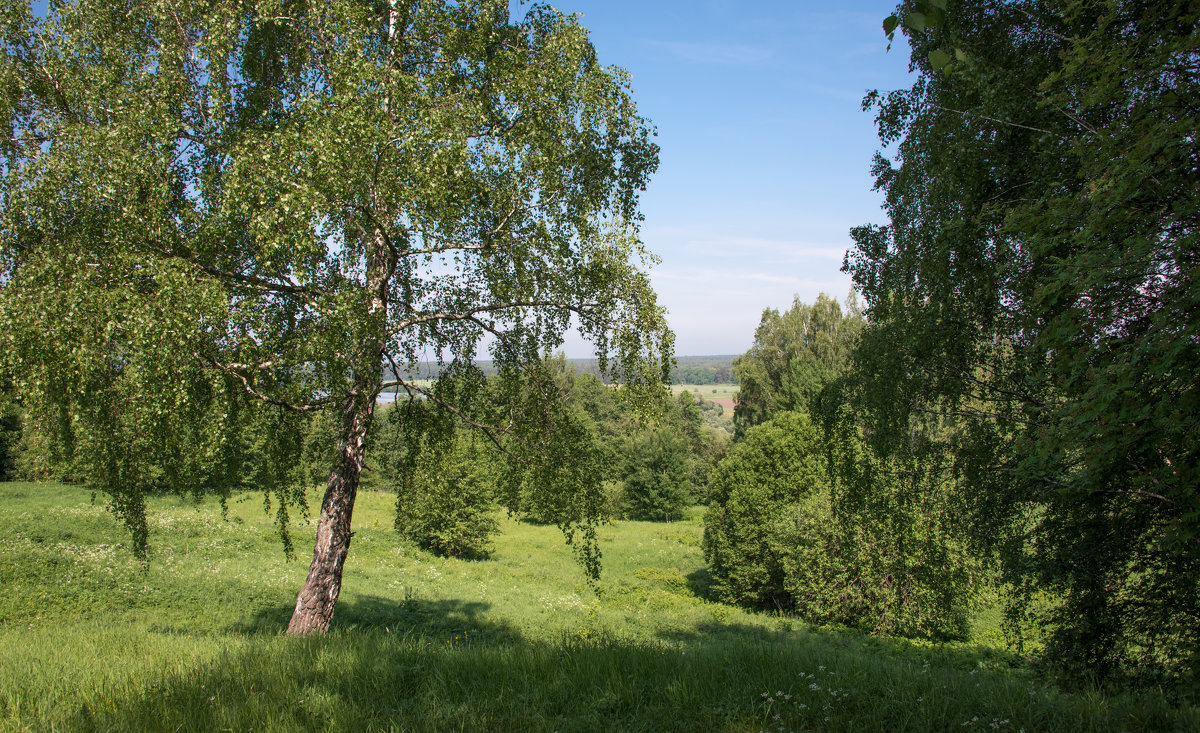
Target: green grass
{"points": [[92, 639], [708, 391]]}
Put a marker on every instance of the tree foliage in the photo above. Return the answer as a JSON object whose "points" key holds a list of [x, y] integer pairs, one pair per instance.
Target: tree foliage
{"points": [[10, 432], [795, 355], [656, 485], [772, 468], [209, 205], [445, 490], [1036, 290], [808, 519]]}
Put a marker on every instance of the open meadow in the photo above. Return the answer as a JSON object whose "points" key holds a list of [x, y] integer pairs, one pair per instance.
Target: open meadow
{"points": [[723, 394], [92, 639]]}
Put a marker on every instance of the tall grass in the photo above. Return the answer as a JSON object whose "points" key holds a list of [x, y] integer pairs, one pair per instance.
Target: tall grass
{"points": [[91, 639]]}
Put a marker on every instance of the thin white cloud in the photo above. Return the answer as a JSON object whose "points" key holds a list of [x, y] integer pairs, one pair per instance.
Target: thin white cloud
{"points": [[734, 54], [709, 283], [779, 250], [727, 277]]}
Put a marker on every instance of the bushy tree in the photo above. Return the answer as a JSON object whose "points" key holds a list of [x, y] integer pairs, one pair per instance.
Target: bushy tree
{"points": [[795, 354], [446, 503], [206, 205], [656, 485], [811, 521], [1035, 289], [772, 468]]}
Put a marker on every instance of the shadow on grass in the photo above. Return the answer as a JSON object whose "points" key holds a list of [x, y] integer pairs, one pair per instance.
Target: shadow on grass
{"points": [[441, 665], [700, 583], [425, 620]]}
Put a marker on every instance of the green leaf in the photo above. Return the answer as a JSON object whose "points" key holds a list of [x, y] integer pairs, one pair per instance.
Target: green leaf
{"points": [[890, 23], [939, 4], [915, 22], [960, 54], [938, 59]]}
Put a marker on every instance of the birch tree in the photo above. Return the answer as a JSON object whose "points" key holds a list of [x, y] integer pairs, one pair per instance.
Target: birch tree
{"points": [[213, 207]]}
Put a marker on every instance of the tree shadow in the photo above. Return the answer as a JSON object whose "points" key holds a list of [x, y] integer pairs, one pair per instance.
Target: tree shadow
{"points": [[443, 665], [410, 617], [700, 583]]}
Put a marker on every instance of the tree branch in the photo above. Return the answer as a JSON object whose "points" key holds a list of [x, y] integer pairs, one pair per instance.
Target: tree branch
{"points": [[993, 119], [469, 315], [231, 370], [490, 431]]}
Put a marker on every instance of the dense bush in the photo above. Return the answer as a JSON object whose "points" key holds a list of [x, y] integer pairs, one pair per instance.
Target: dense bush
{"points": [[867, 544], [656, 479], [769, 471], [446, 504]]}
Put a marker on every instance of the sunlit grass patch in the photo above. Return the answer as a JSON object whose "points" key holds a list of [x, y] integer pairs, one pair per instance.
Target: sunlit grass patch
{"points": [[92, 639]]}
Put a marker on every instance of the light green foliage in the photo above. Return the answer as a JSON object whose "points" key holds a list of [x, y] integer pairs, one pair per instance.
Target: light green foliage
{"points": [[715, 417], [707, 440], [794, 356], [206, 205], [656, 455], [447, 505], [90, 639], [556, 475], [1035, 291], [441, 472]]}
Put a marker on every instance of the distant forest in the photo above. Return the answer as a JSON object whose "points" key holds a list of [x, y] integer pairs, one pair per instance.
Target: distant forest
{"points": [[688, 369]]}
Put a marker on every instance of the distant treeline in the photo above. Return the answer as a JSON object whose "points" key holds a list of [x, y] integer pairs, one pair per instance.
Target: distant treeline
{"points": [[688, 369], [703, 370]]}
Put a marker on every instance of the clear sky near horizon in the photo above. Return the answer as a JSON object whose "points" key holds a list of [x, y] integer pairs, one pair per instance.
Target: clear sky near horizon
{"points": [[766, 151]]}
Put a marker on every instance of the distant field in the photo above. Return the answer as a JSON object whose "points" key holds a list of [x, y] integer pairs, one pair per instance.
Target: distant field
{"points": [[723, 394], [92, 639]]}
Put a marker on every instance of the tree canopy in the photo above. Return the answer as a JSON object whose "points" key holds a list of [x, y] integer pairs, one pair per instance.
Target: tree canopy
{"points": [[212, 210], [795, 355], [1035, 295]]}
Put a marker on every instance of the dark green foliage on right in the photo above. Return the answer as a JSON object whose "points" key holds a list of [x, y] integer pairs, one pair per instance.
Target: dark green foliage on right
{"points": [[1036, 288], [10, 432], [870, 544]]}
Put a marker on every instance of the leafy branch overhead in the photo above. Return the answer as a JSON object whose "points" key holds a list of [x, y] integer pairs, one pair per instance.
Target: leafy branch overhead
{"points": [[918, 17], [1032, 310], [214, 206]]}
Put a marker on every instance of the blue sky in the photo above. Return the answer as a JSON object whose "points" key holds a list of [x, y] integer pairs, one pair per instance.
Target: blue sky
{"points": [[766, 152]]}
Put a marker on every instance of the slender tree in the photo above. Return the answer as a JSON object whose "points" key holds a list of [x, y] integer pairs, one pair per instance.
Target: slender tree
{"points": [[287, 203]]}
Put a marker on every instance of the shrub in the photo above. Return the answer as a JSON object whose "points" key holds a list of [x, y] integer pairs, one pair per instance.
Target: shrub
{"points": [[447, 504], [656, 480], [871, 545], [750, 492]]}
